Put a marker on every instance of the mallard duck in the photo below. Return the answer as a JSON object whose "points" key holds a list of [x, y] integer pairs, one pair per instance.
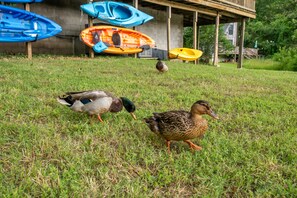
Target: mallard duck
{"points": [[161, 66], [96, 102], [181, 125]]}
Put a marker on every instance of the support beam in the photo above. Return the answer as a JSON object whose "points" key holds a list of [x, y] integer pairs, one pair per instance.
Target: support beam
{"points": [[28, 44], [216, 44], [90, 24], [195, 23], [135, 4], [91, 51], [241, 44], [198, 41], [168, 29]]}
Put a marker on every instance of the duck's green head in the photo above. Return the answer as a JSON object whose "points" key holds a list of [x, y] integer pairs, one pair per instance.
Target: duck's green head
{"points": [[129, 106]]}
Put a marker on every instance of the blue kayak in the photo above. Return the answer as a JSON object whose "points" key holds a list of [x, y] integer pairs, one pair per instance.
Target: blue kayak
{"points": [[22, 1], [116, 13], [18, 25]]}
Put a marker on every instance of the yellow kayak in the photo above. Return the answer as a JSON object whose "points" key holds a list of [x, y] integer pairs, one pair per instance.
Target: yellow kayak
{"points": [[186, 54]]}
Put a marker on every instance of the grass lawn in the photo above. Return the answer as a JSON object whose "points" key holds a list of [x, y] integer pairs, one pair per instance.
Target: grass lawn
{"points": [[266, 64], [49, 151]]}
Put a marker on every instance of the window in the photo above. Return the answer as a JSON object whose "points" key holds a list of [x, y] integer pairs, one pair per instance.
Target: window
{"points": [[230, 29]]}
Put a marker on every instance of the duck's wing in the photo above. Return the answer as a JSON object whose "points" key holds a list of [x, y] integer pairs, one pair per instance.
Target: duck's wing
{"points": [[92, 95], [116, 105], [98, 106], [159, 65], [171, 116], [173, 121]]}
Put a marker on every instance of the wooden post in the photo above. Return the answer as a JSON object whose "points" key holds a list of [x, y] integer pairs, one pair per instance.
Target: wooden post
{"points": [[236, 50], [216, 45], [91, 51], [28, 44], [241, 44], [168, 29], [135, 4], [90, 24], [198, 40], [195, 22]]}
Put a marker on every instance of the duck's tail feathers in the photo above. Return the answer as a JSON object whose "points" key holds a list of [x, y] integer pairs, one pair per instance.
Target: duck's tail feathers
{"points": [[65, 101]]}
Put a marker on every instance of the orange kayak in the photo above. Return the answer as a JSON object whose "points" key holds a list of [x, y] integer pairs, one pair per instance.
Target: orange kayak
{"points": [[116, 40]]}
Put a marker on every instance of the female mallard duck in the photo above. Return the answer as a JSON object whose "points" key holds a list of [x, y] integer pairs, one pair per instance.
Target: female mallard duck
{"points": [[96, 102], [181, 125], [161, 66]]}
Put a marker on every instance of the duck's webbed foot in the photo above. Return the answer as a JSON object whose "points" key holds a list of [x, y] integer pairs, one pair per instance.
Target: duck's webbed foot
{"points": [[99, 118], [193, 146], [168, 145]]}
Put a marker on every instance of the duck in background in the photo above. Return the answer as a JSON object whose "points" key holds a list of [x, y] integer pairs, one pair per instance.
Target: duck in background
{"points": [[96, 102], [161, 66], [182, 125]]}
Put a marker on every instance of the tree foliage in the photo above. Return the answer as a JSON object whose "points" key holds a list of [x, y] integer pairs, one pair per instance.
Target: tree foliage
{"points": [[275, 26], [206, 42], [274, 30]]}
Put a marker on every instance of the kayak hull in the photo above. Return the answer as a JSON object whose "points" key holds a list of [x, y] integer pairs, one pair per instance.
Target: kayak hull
{"points": [[22, 1], [116, 40], [186, 54], [116, 13], [18, 25]]}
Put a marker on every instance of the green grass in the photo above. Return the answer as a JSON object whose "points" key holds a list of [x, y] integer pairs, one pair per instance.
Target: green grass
{"points": [[266, 64], [49, 151]]}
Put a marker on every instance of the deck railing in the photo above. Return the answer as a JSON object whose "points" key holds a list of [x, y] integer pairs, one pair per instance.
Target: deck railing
{"points": [[249, 4]]}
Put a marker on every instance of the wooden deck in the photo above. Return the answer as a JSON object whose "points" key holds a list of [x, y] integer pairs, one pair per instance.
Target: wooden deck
{"points": [[248, 4], [206, 12], [229, 10]]}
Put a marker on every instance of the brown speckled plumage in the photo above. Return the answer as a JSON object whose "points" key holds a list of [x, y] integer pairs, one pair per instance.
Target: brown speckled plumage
{"points": [[181, 125], [161, 66]]}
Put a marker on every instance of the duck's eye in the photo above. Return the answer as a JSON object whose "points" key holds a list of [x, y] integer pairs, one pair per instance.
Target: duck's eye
{"points": [[206, 106]]}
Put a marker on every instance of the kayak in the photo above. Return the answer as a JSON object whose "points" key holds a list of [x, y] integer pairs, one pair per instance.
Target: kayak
{"points": [[186, 54], [116, 13], [116, 40], [22, 1], [18, 25]]}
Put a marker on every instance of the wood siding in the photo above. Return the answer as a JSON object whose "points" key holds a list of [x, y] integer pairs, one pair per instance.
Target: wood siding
{"points": [[249, 4]]}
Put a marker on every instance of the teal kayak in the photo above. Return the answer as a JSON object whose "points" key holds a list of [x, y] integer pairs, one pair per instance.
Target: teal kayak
{"points": [[116, 13]]}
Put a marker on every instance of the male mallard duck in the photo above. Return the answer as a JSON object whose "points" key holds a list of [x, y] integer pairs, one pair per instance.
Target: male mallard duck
{"points": [[96, 102], [161, 66], [181, 125]]}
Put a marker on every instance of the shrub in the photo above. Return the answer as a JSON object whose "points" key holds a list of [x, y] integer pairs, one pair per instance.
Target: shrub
{"points": [[287, 58]]}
